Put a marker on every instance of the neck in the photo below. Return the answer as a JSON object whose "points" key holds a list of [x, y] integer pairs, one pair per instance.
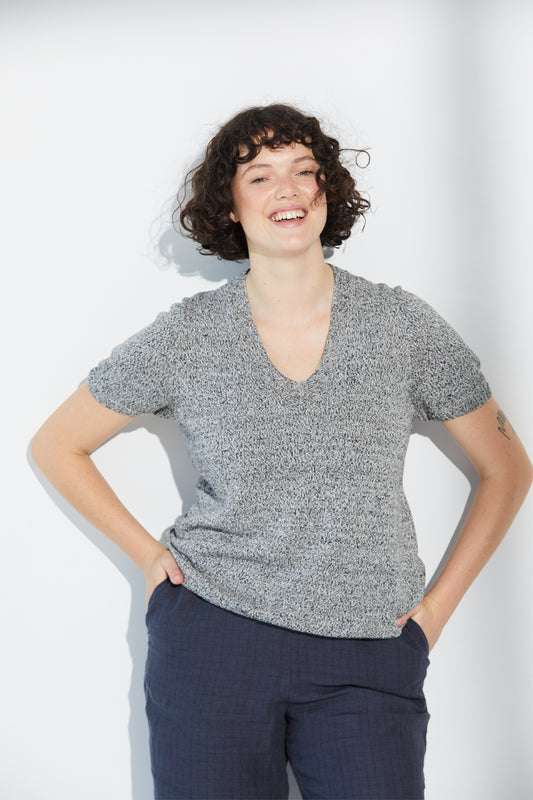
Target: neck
{"points": [[289, 289]]}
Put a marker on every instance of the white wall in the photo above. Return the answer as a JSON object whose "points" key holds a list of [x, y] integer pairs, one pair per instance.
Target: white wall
{"points": [[105, 106]]}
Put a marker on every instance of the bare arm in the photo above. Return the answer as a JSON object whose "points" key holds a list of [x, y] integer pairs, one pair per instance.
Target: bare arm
{"points": [[505, 471], [61, 448]]}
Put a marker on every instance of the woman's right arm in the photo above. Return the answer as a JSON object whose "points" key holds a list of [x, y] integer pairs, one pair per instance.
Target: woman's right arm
{"points": [[62, 447]]}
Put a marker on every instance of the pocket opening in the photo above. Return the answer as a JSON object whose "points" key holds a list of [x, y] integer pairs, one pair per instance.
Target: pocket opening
{"points": [[420, 633]]}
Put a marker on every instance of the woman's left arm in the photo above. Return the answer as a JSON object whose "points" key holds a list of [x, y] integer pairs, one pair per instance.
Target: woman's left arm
{"points": [[506, 473]]}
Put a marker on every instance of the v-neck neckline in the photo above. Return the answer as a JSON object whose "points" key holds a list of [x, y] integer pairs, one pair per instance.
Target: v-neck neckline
{"points": [[249, 322]]}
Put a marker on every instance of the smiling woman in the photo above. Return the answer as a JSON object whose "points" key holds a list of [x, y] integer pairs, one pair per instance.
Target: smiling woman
{"points": [[280, 196], [288, 616], [206, 202]]}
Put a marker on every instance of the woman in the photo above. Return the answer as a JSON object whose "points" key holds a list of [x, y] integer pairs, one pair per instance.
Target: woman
{"points": [[287, 617]]}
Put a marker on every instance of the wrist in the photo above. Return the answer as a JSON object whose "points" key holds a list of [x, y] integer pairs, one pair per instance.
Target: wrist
{"points": [[150, 553], [439, 608]]}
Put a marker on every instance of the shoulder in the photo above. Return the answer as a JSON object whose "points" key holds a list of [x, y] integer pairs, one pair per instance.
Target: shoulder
{"points": [[383, 299], [366, 291], [205, 308], [375, 302], [208, 303]]}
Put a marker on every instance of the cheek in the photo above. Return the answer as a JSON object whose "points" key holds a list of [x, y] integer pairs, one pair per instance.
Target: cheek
{"points": [[319, 199], [244, 203], [322, 212], [321, 205]]}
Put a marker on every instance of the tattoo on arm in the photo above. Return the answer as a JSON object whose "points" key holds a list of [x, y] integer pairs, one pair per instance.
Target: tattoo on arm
{"points": [[502, 422]]}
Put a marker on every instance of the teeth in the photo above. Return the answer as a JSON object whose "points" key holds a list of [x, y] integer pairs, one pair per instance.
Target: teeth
{"points": [[297, 214]]}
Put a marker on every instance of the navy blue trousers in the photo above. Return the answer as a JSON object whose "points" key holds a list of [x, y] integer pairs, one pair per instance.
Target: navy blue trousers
{"points": [[229, 700]]}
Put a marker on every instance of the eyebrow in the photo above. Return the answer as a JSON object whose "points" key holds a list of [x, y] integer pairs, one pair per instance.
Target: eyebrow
{"points": [[262, 166]]}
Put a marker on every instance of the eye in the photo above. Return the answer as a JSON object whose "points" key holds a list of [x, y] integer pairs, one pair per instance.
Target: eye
{"points": [[307, 172], [258, 180]]}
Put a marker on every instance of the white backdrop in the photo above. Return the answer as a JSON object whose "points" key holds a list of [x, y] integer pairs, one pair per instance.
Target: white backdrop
{"points": [[106, 104]]}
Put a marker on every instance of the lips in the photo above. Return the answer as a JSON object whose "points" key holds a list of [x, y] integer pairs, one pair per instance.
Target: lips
{"points": [[288, 214]]}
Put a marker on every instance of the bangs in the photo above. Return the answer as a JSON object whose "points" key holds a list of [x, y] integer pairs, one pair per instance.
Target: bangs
{"points": [[272, 138], [268, 126]]}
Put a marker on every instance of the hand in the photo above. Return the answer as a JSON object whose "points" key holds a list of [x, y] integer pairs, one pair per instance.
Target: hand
{"points": [[428, 616], [162, 566]]}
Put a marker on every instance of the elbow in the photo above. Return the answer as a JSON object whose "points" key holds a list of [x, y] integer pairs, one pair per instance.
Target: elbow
{"points": [[45, 448], [523, 483], [512, 472], [38, 450], [524, 472], [51, 448], [515, 479], [527, 476]]}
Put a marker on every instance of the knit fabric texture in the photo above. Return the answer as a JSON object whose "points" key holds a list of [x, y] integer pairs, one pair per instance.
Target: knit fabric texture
{"points": [[300, 518]]}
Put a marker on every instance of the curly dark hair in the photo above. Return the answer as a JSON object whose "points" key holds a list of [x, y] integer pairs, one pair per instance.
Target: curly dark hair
{"points": [[205, 200]]}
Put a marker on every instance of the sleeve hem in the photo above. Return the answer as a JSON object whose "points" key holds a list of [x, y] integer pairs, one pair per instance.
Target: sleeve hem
{"points": [[107, 401], [467, 408]]}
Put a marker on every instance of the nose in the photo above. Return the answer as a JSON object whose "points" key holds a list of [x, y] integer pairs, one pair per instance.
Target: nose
{"points": [[287, 187]]}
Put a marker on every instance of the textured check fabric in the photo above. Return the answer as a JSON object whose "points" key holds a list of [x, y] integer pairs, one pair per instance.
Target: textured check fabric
{"points": [[230, 699]]}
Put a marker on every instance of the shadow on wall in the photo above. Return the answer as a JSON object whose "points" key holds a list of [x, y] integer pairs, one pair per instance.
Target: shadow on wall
{"points": [[185, 480], [442, 440], [170, 249], [174, 250]]}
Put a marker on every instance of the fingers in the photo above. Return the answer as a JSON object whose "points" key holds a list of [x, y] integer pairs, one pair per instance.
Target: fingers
{"points": [[172, 569]]}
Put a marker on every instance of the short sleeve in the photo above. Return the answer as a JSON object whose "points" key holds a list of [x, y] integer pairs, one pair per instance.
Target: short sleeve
{"points": [[140, 375], [446, 378]]}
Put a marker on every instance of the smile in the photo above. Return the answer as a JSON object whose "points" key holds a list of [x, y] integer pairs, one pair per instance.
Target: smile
{"points": [[296, 213]]}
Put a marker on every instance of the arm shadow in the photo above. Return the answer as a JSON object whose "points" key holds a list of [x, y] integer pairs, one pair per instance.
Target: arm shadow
{"points": [[442, 440], [185, 478]]}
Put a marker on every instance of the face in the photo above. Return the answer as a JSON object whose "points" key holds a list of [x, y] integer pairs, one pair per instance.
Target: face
{"points": [[276, 201]]}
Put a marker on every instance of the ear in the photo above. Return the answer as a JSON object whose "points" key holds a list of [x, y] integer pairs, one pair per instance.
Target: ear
{"points": [[233, 217]]}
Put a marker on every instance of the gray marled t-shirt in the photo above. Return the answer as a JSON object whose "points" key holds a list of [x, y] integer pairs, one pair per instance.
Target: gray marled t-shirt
{"points": [[301, 518]]}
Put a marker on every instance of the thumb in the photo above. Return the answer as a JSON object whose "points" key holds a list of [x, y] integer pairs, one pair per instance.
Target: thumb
{"points": [[171, 568], [403, 619]]}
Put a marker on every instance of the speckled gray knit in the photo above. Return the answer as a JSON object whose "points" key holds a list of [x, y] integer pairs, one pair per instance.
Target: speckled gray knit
{"points": [[301, 518]]}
